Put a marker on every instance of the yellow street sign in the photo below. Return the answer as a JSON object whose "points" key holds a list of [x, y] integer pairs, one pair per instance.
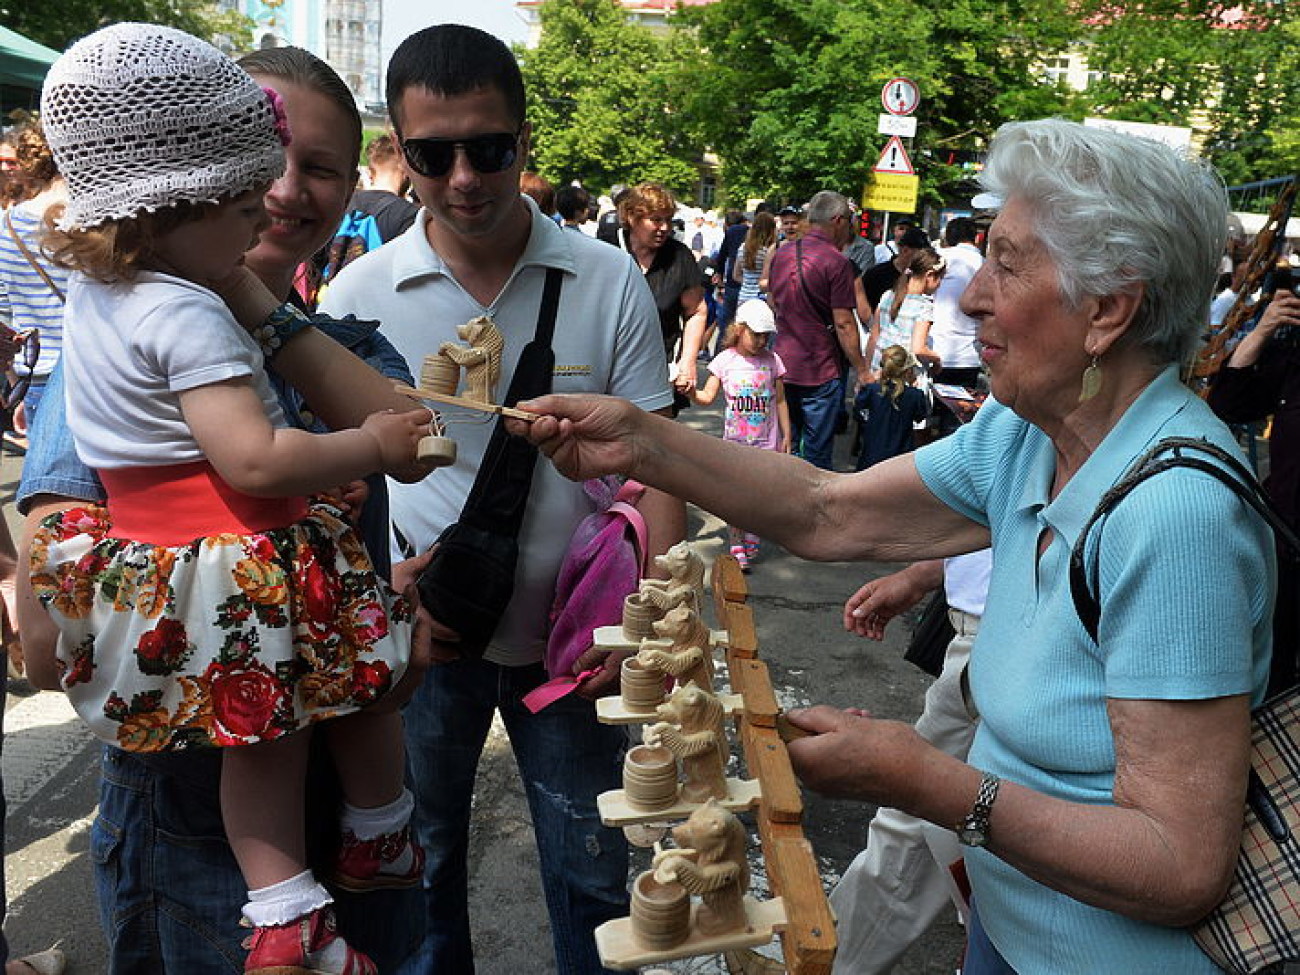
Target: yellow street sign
{"points": [[894, 192]]}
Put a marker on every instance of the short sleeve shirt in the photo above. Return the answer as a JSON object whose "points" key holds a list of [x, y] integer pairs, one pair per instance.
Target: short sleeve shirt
{"points": [[672, 273], [129, 350], [1041, 685], [805, 338], [749, 384]]}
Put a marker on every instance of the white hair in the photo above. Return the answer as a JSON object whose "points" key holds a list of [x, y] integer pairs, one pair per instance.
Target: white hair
{"points": [[1114, 209]]}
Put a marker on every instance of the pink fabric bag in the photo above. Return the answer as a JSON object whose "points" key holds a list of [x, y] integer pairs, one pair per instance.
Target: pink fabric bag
{"points": [[604, 563]]}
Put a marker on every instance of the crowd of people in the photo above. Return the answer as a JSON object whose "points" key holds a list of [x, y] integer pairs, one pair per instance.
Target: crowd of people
{"points": [[237, 312]]}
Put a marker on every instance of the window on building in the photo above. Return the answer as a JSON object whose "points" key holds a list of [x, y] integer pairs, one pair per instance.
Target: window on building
{"points": [[1055, 70], [708, 191]]}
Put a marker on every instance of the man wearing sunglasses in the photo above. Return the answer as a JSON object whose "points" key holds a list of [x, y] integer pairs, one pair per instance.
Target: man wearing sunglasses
{"points": [[456, 100]]}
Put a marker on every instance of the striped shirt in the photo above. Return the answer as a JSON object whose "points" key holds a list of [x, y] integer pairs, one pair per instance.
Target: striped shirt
{"points": [[26, 301]]}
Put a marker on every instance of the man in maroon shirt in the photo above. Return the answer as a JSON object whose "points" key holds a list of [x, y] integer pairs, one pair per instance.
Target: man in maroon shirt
{"points": [[811, 288]]}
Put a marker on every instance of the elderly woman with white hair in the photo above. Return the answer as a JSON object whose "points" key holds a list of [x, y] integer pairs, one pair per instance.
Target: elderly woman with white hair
{"points": [[1104, 794]]}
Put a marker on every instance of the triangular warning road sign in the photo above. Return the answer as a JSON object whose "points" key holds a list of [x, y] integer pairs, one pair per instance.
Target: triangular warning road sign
{"points": [[894, 158]]}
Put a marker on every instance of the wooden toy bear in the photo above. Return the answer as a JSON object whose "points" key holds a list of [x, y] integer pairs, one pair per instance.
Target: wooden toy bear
{"points": [[692, 729], [711, 864], [689, 659]]}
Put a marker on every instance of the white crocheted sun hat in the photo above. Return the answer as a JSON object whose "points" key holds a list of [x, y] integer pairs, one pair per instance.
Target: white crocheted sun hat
{"points": [[142, 117]]}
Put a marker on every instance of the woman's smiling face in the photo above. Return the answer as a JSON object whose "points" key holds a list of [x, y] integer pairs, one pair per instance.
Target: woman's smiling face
{"points": [[1032, 344], [306, 204]]}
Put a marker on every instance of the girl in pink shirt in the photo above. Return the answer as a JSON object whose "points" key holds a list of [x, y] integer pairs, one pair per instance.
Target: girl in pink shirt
{"points": [[749, 375]]}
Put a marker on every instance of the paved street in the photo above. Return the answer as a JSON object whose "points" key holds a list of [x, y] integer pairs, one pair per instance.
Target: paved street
{"points": [[50, 776]]}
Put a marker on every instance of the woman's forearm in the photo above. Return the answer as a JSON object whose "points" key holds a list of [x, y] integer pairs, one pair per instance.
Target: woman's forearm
{"points": [[882, 513], [340, 388], [1163, 852]]}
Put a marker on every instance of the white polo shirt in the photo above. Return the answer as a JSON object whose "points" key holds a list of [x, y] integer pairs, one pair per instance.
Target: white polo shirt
{"points": [[607, 340]]}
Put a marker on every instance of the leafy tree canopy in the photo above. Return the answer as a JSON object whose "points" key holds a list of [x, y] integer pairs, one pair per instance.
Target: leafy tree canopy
{"points": [[596, 99], [57, 23], [1228, 68]]}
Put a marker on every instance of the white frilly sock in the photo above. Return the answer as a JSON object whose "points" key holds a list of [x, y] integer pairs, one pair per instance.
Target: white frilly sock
{"points": [[286, 901], [366, 824]]}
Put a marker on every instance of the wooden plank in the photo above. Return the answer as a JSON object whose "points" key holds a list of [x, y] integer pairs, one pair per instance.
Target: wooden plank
{"points": [[751, 679], [620, 951], [612, 710], [742, 636], [615, 810], [729, 584], [808, 938], [468, 404], [769, 763]]}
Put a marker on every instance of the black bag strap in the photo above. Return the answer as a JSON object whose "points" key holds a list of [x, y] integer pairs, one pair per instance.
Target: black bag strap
{"points": [[1228, 470], [828, 319], [499, 497]]}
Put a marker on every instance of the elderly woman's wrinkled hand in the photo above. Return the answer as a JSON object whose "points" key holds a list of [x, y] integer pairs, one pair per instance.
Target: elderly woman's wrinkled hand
{"points": [[584, 436], [850, 755]]}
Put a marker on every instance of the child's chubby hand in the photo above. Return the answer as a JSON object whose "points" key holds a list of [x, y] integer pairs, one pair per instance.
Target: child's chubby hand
{"points": [[397, 435]]}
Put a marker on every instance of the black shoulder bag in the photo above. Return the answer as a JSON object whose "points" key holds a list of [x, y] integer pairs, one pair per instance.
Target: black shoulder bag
{"points": [[470, 580], [1257, 926]]}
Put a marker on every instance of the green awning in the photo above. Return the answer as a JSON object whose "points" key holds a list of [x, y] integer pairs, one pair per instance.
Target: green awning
{"points": [[23, 62]]}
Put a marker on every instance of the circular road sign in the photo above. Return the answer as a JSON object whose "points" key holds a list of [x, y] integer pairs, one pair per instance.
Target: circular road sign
{"points": [[900, 96]]}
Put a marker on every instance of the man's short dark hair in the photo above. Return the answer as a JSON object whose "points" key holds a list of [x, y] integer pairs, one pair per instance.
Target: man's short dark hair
{"points": [[915, 238], [569, 200], [450, 60], [960, 230], [732, 218]]}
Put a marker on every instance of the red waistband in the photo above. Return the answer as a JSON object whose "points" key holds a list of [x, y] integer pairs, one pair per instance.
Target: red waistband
{"points": [[177, 503]]}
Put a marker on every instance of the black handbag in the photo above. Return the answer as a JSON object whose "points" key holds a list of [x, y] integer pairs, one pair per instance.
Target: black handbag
{"points": [[933, 633], [469, 583], [1256, 928]]}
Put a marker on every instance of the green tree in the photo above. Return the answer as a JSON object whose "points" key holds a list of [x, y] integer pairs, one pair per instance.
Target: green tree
{"points": [[1227, 69], [1284, 134], [789, 91], [595, 96], [57, 24]]}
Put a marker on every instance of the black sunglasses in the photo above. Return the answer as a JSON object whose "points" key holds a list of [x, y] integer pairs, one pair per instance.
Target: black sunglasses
{"points": [[486, 153]]}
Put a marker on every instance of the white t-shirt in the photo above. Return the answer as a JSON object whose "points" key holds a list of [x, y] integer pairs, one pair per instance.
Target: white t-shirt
{"points": [[607, 340], [130, 348], [953, 333], [966, 581]]}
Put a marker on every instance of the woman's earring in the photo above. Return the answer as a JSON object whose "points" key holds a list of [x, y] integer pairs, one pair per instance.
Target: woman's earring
{"points": [[1091, 381]]}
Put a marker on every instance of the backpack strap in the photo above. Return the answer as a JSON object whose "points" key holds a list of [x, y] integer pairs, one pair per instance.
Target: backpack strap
{"points": [[625, 506], [1228, 470]]}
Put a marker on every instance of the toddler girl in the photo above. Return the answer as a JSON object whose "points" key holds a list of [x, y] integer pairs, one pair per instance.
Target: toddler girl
{"points": [[749, 375], [210, 605], [906, 321], [890, 408]]}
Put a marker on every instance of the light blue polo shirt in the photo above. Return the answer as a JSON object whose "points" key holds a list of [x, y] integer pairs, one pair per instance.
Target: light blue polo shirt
{"points": [[1187, 579]]}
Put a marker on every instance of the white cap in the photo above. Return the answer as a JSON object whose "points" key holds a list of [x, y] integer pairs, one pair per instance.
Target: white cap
{"points": [[757, 315], [141, 117]]}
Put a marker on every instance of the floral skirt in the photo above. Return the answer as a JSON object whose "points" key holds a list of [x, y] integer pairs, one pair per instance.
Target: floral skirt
{"points": [[231, 639]]}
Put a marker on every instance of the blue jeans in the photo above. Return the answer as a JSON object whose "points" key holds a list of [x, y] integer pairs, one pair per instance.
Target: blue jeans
{"points": [[169, 889], [981, 957], [565, 757], [814, 411]]}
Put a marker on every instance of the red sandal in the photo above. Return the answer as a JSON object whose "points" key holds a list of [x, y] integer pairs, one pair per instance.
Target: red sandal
{"points": [[300, 947], [366, 865]]}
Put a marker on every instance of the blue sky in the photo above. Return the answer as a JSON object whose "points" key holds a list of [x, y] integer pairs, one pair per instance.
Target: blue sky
{"points": [[403, 17]]}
